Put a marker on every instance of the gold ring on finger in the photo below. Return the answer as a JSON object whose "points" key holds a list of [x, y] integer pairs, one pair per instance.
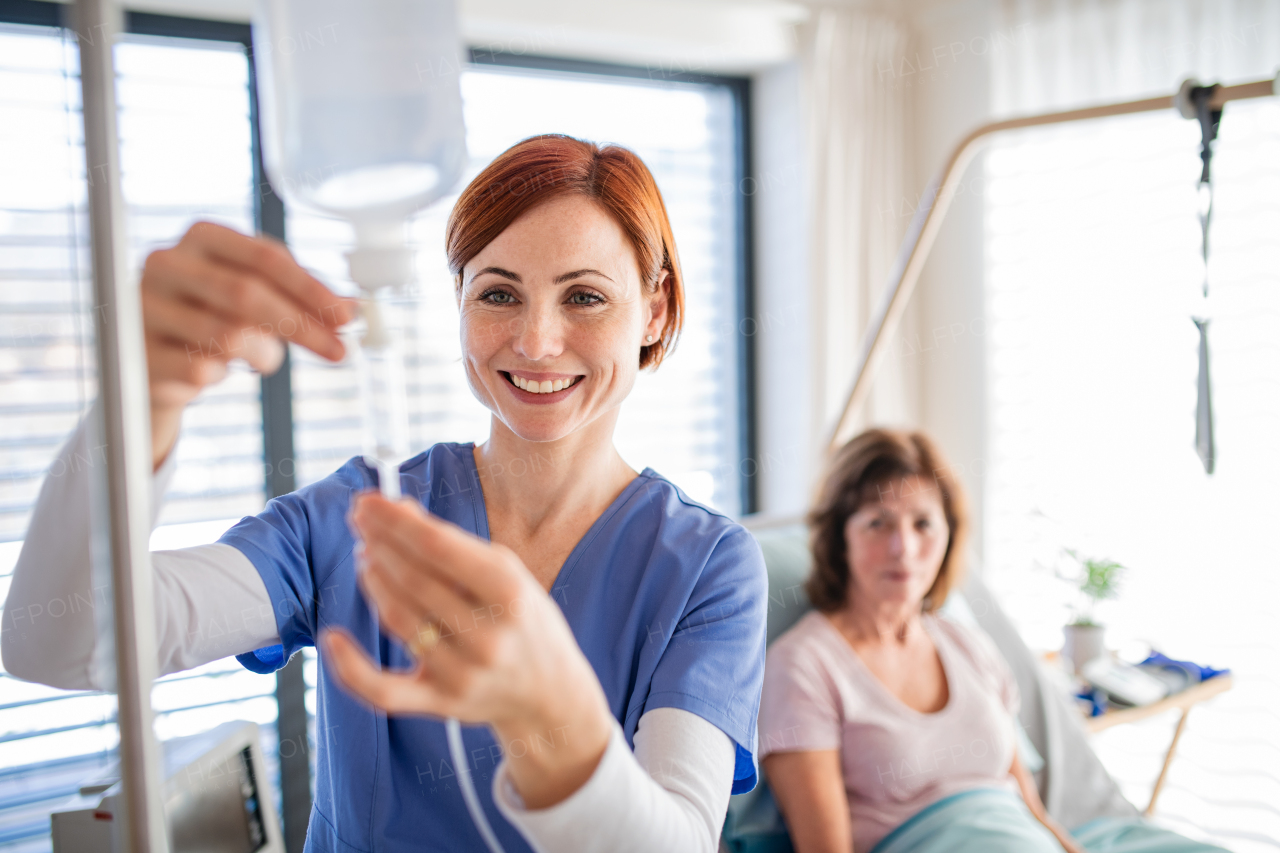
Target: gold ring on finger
{"points": [[425, 638]]}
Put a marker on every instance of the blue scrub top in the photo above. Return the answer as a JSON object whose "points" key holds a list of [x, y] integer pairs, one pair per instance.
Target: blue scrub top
{"points": [[665, 597]]}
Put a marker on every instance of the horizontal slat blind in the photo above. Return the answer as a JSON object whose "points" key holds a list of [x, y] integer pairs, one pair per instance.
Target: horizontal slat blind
{"points": [[185, 155], [1093, 276]]}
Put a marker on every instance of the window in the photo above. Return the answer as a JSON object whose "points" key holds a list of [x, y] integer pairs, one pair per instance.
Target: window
{"points": [[684, 420], [185, 154], [1093, 275]]}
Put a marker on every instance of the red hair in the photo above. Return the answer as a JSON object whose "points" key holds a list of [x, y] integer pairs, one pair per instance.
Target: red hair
{"points": [[542, 168]]}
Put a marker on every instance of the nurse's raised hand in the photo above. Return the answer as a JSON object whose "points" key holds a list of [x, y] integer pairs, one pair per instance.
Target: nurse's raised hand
{"points": [[220, 295], [505, 654]]}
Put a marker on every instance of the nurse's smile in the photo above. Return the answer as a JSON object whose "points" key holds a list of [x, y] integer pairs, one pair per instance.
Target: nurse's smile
{"points": [[540, 388]]}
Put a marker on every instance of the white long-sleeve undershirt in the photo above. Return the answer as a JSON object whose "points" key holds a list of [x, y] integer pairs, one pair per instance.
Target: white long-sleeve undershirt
{"points": [[210, 602]]}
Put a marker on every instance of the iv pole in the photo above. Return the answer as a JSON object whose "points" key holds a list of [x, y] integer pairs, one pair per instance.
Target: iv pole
{"points": [[928, 219], [126, 431]]}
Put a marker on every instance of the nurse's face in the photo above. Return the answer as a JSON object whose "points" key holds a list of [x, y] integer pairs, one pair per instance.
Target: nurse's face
{"points": [[554, 317], [896, 544]]}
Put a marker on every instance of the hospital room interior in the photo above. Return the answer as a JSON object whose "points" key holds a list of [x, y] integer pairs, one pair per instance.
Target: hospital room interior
{"points": [[741, 426]]}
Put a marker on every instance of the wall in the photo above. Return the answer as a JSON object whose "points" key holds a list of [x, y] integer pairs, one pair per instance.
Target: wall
{"points": [[945, 80], [786, 436], [951, 87]]}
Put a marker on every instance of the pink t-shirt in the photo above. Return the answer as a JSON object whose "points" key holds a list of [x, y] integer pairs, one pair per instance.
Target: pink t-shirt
{"points": [[819, 695]]}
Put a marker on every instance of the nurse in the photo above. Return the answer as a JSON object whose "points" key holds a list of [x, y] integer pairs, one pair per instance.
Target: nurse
{"points": [[602, 634]]}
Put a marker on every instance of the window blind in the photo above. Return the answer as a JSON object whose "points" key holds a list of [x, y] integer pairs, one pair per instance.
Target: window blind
{"points": [[1093, 275], [185, 150]]}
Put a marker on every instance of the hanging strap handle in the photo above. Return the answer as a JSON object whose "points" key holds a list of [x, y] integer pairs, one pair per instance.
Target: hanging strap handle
{"points": [[1194, 102]]}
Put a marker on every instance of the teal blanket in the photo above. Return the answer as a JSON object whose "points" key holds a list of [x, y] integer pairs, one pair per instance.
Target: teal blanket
{"points": [[992, 821]]}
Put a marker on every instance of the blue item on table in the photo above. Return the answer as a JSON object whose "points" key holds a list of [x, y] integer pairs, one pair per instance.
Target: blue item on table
{"points": [[1097, 700], [1194, 671]]}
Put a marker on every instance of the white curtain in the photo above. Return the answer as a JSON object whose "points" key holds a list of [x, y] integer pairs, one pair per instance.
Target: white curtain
{"points": [[1072, 52], [857, 159]]}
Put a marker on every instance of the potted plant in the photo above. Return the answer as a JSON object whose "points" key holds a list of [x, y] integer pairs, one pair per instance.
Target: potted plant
{"points": [[1097, 580]]}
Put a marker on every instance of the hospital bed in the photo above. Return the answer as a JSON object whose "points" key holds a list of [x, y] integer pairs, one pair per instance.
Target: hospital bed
{"points": [[1073, 784]]}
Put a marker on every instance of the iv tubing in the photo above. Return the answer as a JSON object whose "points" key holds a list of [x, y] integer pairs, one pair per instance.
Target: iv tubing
{"points": [[389, 484], [456, 751]]}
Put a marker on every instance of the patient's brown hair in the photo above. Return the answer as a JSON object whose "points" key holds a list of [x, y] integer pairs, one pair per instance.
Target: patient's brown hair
{"points": [[859, 473]]}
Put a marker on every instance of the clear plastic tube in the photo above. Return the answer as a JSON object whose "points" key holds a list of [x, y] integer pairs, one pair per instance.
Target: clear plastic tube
{"points": [[383, 395], [453, 729]]}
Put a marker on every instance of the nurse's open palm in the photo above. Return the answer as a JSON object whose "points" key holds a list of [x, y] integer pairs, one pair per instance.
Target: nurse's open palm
{"points": [[504, 656]]}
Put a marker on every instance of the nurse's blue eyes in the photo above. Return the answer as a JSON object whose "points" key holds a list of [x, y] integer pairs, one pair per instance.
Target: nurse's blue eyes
{"points": [[498, 297], [578, 299]]}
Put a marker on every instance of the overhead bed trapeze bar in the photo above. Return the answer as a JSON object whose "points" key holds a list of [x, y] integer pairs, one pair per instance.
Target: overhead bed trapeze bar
{"points": [[933, 209]]}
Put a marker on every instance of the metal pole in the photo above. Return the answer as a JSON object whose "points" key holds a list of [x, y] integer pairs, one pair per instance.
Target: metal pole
{"points": [[123, 394], [928, 219]]}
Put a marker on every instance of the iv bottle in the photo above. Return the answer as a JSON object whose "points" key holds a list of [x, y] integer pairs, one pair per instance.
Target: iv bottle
{"points": [[361, 116]]}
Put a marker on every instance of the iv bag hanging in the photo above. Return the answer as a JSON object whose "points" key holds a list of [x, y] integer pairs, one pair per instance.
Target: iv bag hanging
{"points": [[360, 106]]}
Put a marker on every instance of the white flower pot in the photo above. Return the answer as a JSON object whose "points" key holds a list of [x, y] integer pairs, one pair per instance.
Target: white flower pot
{"points": [[1081, 644]]}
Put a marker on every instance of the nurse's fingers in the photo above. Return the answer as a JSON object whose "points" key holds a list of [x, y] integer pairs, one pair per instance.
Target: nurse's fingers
{"points": [[273, 260], [487, 572], [409, 596], [241, 297], [395, 693], [396, 615], [206, 336], [401, 612], [403, 621], [170, 363]]}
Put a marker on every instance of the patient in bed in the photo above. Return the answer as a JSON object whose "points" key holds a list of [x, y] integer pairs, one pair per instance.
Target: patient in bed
{"points": [[884, 726]]}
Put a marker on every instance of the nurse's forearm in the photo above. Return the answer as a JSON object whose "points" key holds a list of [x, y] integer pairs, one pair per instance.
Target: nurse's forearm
{"points": [[48, 631], [210, 602], [564, 749], [671, 794]]}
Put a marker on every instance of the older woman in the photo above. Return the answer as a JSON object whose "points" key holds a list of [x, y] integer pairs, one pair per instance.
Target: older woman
{"points": [[570, 608], [885, 726]]}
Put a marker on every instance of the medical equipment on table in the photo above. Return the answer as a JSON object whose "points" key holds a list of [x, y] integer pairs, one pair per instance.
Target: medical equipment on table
{"points": [[1124, 681], [362, 119], [214, 801]]}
